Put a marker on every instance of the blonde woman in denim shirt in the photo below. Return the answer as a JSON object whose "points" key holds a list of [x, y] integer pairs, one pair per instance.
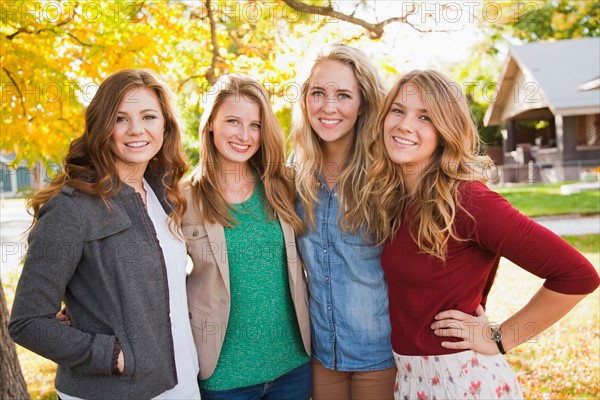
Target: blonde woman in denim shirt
{"points": [[333, 124]]}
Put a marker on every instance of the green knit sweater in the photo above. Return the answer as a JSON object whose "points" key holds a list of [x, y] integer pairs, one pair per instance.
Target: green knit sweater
{"points": [[263, 340]]}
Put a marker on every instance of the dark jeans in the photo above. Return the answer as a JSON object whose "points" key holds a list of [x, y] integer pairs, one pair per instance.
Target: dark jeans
{"points": [[295, 385]]}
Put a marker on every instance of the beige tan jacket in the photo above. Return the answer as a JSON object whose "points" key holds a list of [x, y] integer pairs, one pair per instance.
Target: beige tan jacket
{"points": [[208, 289]]}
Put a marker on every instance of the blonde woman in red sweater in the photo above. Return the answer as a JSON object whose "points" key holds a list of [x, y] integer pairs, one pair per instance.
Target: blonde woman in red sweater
{"points": [[445, 232]]}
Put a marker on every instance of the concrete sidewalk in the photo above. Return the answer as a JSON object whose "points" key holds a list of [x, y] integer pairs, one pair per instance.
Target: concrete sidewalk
{"points": [[15, 220], [571, 224]]}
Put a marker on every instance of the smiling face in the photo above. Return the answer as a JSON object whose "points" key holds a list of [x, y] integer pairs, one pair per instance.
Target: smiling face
{"points": [[410, 138], [138, 132], [236, 130], [333, 102]]}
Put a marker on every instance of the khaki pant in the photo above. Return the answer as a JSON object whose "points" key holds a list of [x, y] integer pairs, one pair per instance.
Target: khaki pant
{"points": [[354, 385]]}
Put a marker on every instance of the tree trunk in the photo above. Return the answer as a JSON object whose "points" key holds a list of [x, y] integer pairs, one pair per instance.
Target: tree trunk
{"points": [[12, 384]]}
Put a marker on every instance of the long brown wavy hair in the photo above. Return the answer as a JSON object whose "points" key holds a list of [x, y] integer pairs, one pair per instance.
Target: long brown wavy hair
{"points": [[435, 199], [90, 165], [308, 155], [268, 161]]}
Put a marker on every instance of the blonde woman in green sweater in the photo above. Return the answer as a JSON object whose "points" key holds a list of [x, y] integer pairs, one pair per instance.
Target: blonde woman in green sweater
{"points": [[246, 292]]}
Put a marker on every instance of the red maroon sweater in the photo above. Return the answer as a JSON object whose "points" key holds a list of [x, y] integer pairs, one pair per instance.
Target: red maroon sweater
{"points": [[421, 286]]}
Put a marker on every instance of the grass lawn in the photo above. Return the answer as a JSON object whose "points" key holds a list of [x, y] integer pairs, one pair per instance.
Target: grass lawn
{"points": [[562, 362], [545, 199], [585, 243]]}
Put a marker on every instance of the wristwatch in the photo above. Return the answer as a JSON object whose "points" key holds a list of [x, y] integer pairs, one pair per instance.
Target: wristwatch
{"points": [[497, 337]]}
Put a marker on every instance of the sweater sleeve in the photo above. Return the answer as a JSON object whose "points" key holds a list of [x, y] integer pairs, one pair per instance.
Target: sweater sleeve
{"points": [[55, 248], [498, 227]]}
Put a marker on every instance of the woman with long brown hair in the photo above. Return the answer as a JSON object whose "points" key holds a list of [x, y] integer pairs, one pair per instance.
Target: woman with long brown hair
{"points": [[105, 240], [247, 290]]}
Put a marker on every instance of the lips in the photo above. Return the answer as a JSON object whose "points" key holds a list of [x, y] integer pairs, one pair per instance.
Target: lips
{"points": [[137, 145], [403, 141], [239, 147], [329, 121]]}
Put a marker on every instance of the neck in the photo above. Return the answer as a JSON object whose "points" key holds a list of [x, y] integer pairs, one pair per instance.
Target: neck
{"points": [[412, 174], [236, 185], [235, 176], [132, 174], [334, 157]]}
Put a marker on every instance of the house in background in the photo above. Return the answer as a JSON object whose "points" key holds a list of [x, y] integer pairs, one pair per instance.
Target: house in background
{"points": [[548, 106], [17, 180]]}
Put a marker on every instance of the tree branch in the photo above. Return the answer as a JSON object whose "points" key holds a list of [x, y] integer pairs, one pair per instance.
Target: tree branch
{"points": [[375, 29], [33, 31], [78, 40], [63, 119], [186, 80], [25, 30], [210, 74], [21, 100], [53, 30]]}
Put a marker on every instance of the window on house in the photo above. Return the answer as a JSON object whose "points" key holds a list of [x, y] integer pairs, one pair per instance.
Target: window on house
{"points": [[588, 130], [540, 133]]}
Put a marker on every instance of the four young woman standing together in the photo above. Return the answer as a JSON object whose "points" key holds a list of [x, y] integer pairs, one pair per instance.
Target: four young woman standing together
{"points": [[400, 176]]}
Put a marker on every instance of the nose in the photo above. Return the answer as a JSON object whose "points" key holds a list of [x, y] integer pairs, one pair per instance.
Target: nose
{"points": [[244, 133], [329, 98], [330, 104], [406, 125], [136, 127]]}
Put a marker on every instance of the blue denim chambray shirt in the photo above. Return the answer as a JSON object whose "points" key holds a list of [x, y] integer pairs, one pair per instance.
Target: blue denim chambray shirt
{"points": [[349, 318]]}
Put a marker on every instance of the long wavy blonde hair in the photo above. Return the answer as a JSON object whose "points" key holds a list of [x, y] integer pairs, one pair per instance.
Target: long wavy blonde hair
{"points": [[435, 199], [90, 164], [308, 156], [268, 162]]}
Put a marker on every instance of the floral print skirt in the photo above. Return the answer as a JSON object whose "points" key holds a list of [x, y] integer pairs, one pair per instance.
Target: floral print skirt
{"points": [[464, 375]]}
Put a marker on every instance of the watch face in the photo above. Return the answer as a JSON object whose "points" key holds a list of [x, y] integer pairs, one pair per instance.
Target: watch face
{"points": [[497, 336]]}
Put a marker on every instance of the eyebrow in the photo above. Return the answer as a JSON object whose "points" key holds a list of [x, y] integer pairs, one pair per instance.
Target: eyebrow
{"points": [[422, 110], [141, 112], [331, 85], [236, 116]]}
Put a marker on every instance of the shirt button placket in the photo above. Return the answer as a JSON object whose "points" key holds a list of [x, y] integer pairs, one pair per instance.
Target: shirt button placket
{"points": [[329, 212]]}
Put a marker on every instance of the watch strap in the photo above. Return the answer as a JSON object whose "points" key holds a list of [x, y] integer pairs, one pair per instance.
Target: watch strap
{"points": [[497, 337], [500, 347]]}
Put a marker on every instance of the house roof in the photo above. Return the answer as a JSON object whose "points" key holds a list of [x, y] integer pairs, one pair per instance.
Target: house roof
{"points": [[594, 84], [7, 158], [566, 74]]}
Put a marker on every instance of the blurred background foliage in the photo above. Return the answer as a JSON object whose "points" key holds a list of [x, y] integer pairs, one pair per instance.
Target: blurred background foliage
{"points": [[55, 53]]}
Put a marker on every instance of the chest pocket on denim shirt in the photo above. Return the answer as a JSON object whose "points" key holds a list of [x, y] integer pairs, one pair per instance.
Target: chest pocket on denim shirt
{"points": [[358, 248], [357, 239]]}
